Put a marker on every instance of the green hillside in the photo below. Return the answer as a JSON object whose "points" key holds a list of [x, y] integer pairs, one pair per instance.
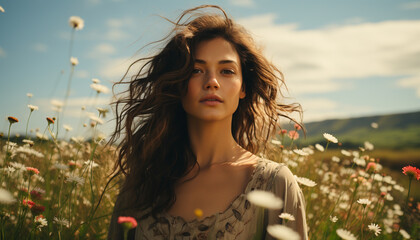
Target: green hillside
{"points": [[395, 131]]}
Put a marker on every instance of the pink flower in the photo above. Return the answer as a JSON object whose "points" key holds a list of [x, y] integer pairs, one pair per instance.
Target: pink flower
{"points": [[32, 170], [127, 222], [283, 131], [411, 171], [297, 127], [371, 166], [293, 135]]}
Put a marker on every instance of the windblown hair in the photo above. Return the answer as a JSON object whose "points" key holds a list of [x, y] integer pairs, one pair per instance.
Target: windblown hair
{"points": [[155, 151]]}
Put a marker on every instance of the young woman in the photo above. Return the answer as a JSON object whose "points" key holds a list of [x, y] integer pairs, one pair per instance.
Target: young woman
{"points": [[194, 120]]}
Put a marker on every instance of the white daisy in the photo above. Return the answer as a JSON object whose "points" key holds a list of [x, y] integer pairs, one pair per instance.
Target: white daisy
{"points": [[276, 142], [77, 140], [374, 228], [99, 88], [40, 222], [96, 119], [300, 152], [102, 111], [76, 22], [364, 201], [61, 166], [91, 164], [74, 61], [305, 181], [287, 216], [265, 199], [368, 146], [41, 136], [346, 153], [405, 234], [68, 128], [374, 125], [76, 179], [345, 234], [95, 80], [330, 138], [335, 159], [29, 151], [32, 107], [333, 219], [18, 166], [319, 147], [29, 95], [6, 197], [62, 221], [282, 232], [27, 141]]}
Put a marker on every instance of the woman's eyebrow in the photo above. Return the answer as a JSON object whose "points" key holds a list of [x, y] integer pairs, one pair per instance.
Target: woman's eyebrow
{"points": [[220, 62]]}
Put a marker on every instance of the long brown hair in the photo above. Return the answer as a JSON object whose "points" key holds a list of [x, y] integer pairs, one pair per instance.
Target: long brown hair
{"points": [[155, 151]]}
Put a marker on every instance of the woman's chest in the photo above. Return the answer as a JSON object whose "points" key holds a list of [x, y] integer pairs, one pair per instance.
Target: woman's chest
{"points": [[211, 192]]}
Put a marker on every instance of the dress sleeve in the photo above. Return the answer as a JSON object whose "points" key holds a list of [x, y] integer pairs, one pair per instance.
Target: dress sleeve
{"points": [[285, 186]]}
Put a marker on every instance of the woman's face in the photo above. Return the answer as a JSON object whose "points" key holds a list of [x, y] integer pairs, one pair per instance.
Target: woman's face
{"points": [[215, 86]]}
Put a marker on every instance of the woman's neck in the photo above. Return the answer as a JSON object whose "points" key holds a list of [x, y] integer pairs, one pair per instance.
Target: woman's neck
{"points": [[212, 142]]}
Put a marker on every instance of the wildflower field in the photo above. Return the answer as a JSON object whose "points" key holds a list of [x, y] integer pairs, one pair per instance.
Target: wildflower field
{"points": [[55, 186]]}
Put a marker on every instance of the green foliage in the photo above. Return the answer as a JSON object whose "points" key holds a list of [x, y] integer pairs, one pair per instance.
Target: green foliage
{"points": [[397, 131]]}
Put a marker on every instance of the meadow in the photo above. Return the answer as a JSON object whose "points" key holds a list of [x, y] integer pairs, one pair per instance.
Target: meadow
{"points": [[57, 188]]}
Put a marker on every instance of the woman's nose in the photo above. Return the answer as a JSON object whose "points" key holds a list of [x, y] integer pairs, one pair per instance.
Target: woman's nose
{"points": [[211, 81]]}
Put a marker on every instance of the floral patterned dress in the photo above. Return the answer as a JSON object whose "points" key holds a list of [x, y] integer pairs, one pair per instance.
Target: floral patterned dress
{"points": [[239, 220]]}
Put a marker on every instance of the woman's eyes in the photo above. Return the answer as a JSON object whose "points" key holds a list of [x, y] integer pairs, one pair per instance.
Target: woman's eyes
{"points": [[224, 71], [197, 70], [228, 71]]}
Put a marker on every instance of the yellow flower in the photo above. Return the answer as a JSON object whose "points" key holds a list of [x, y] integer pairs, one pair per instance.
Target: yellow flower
{"points": [[198, 213]]}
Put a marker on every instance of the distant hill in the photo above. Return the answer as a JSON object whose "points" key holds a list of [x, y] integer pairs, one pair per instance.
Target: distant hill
{"points": [[395, 131]]}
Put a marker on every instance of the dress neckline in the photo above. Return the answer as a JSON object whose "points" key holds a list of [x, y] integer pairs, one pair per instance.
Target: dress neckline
{"points": [[237, 199]]}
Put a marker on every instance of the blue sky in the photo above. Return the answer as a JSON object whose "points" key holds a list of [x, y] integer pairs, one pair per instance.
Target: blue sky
{"points": [[340, 58]]}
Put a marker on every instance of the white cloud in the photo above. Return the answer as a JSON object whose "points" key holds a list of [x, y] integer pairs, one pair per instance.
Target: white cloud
{"points": [[410, 5], [411, 82], [101, 50], [322, 60], [2, 52], [119, 22], [116, 35], [93, 2], [82, 74], [243, 3], [318, 109], [114, 69], [40, 47]]}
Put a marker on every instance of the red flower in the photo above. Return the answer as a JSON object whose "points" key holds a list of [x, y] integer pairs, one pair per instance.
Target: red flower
{"points": [[127, 222], [32, 170], [297, 127], [50, 121], [283, 131], [293, 135], [37, 209], [28, 203], [411, 171], [36, 195]]}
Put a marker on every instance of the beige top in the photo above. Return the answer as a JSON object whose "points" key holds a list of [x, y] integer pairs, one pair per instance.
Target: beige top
{"points": [[239, 220]]}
